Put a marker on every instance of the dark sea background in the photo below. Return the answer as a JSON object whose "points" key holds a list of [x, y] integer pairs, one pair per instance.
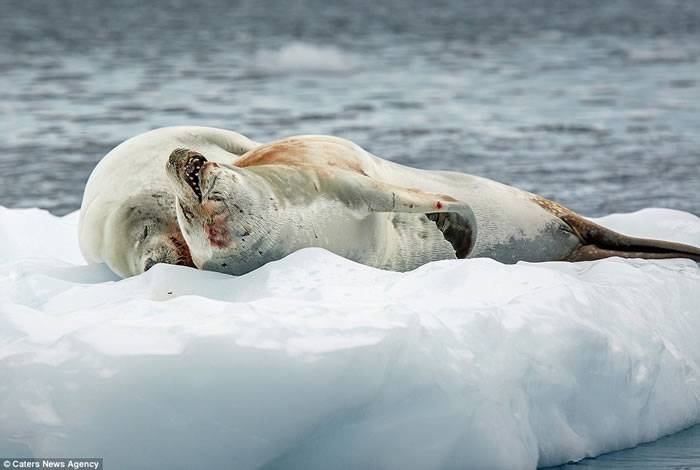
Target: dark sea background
{"points": [[595, 104]]}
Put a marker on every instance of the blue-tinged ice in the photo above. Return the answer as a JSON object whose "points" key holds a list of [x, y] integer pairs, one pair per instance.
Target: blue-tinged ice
{"points": [[317, 362]]}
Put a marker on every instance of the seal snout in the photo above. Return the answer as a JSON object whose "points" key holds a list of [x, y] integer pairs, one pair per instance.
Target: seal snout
{"points": [[187, 165]]}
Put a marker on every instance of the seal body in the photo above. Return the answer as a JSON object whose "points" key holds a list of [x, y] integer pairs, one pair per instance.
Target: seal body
{"points": [[327, 192], [127, 216]]}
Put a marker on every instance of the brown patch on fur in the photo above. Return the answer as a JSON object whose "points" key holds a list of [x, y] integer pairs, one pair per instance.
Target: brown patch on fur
{"points": [[575, 221], [184, 258], [300, 152], [282, 153], [421, 192]]}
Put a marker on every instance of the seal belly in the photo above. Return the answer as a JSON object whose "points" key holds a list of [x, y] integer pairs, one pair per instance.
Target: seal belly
{"points": [[551, 241], [510, 227]]}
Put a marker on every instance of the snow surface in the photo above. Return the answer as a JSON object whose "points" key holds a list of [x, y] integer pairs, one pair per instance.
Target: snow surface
{"points": [[317, 362]]}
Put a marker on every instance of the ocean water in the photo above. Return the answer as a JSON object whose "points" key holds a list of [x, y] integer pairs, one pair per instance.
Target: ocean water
{"points": [[681, 451], [595, 104]]}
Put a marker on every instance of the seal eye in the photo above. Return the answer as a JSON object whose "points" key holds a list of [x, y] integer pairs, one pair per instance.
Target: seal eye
{"points": [[217, 197], [145, 233]]}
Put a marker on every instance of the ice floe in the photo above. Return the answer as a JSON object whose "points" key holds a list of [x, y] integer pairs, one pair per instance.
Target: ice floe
{"points": [[317, 362]]}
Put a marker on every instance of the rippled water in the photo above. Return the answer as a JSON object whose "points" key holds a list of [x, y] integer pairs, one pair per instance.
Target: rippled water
{"points": [[678, 452], [595, 104]]}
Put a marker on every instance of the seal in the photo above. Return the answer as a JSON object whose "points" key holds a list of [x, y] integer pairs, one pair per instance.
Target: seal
{"points": [[127, 216], [322, 191]]}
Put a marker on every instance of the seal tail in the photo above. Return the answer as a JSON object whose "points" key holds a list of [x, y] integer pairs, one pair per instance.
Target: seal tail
{"points": [[599, 242]]}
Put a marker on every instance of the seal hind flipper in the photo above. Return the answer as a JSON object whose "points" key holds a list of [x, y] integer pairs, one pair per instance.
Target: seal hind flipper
{"points": [[599, 242], [593, 252]]}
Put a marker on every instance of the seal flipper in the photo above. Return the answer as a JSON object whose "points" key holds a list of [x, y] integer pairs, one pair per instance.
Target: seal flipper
{"points": [[599, 242], [456, 229], [453, 218]]}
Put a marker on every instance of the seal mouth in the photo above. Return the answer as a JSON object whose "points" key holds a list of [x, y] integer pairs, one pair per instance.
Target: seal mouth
{"points": [[192, 168]]}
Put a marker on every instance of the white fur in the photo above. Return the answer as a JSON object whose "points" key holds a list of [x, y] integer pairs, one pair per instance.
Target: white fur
{"points": [[333, 194], [503, 213], [130, 173]]}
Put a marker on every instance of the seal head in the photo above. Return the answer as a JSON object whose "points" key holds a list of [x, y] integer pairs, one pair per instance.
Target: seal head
{"points": [[224, 215], [127, 217], [143, 223]]}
